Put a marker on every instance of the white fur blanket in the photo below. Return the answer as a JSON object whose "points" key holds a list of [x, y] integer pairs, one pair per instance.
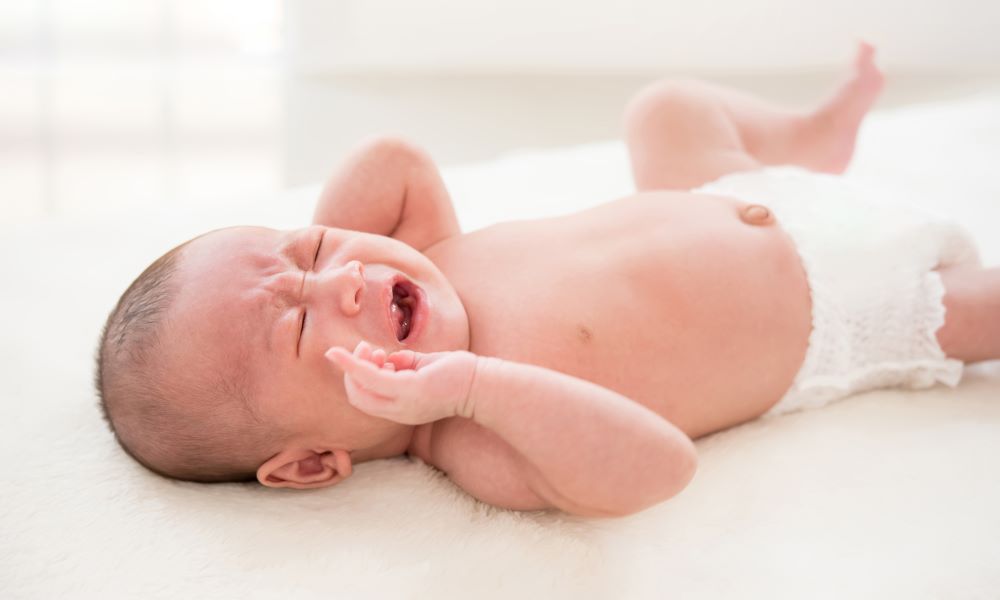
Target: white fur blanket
{"points": [[889, 494]]}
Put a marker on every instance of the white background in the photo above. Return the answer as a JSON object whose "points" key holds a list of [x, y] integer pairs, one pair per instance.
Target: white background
{"points": [[111, 105], [643, 35]]}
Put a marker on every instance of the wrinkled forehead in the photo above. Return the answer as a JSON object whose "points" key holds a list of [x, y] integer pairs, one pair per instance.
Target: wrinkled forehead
{"points": [[220, 301], [234, 248]]}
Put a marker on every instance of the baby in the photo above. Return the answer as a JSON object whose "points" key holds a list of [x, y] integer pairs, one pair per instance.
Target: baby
{"points": [[564, 362]]}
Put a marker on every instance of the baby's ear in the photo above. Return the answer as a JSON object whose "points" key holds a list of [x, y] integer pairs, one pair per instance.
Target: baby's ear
{"points": [[305, 469]]}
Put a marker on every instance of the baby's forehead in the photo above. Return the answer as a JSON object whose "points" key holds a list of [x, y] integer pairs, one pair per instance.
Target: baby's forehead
{"points": [[244, 239], [221, 279], [220, 258]]}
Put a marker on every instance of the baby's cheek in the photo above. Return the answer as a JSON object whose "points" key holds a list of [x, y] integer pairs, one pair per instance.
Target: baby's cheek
{"points": [[328, 387]]}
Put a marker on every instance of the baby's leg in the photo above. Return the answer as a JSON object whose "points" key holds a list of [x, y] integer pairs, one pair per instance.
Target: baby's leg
{"points": [[971, 330], [681, 134]]}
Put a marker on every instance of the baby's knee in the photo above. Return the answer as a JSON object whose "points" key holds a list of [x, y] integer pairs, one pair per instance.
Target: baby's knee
{"points": [[663, 99]]}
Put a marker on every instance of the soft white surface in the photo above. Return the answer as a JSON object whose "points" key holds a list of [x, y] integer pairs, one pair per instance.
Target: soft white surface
{"points": [[890, 494]]}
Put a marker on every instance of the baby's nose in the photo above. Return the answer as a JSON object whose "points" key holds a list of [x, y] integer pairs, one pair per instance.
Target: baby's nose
{"points": [[346, 284]]}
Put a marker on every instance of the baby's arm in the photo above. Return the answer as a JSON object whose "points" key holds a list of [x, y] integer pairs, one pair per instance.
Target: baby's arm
{"points": [[393, 188], [589, 450], [566, 442]]}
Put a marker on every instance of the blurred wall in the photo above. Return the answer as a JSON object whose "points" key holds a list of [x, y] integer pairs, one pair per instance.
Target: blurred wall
{"points": [[636, 35], [108, 104]]}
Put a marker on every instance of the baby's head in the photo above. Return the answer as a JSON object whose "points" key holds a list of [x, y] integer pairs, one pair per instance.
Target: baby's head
{"points": [[211, 367]]}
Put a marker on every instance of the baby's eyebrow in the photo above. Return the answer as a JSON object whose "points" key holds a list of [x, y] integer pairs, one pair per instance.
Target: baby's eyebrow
{"points": [[297, 247], [286, 248]]}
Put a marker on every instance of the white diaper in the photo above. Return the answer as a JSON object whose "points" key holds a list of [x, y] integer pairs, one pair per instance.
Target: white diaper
{"points": [[876, 299]]}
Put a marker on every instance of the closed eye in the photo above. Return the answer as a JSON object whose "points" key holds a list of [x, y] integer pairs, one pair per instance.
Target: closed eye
{"points": [[302, 319], [302, 329], [318, 246]]}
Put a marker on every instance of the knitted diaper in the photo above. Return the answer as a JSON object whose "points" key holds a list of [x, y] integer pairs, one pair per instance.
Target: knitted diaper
{"points": [[876, 298]]}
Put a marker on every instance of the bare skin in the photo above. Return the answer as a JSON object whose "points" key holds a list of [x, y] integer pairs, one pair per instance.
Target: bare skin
{"points": [[649, 275], [572, 359]]}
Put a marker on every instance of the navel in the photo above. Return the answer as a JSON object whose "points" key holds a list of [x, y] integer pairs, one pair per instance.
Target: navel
{"points": [[584, 334], [755, 214]]}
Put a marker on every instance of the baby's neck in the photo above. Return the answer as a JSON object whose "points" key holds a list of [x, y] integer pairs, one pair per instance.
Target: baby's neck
{"points": [[395, 445]]}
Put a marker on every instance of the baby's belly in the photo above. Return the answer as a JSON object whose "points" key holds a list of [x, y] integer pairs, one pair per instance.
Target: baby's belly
{"points": [[732, 296], [747, 337], [670, 299]]}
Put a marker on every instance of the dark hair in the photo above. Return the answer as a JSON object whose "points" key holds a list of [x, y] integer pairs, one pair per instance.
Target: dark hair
{"points": [[195, 425]]}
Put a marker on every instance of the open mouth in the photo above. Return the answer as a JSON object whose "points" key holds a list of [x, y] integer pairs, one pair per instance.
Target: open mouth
{"points": [[403, 308]]}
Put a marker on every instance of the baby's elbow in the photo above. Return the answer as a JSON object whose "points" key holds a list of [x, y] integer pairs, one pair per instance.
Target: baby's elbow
{"points": [[660, 481], [684, 469], [681, 467], [668, 481]]}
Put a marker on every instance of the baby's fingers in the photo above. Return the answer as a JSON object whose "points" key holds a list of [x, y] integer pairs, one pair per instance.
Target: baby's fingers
{"points": [[350, 363], [403, 359], [383, 382], [363, 350]]}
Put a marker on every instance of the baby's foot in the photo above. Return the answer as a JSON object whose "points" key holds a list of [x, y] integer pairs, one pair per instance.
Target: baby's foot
{"points": [[830, 133]]}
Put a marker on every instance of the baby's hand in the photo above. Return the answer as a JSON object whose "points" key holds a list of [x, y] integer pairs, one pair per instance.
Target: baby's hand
{"points": [[406, 387]]}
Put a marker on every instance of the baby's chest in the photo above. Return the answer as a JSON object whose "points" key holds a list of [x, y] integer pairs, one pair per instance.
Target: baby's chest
{"points": [[591, 297], [680, 311]]}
